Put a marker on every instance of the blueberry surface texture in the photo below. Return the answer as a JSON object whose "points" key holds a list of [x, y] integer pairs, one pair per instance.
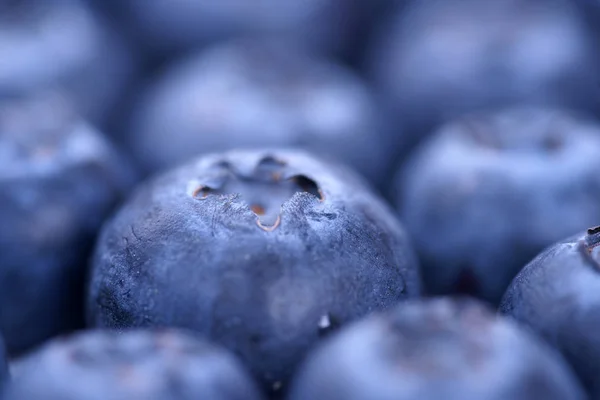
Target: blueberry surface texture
{"points": [[251, 93], [557, 296], [262, 251], [167, 28], [59, 180], [134, 365], [488, 192], [435, 349], [63, 44], [435, 60]]}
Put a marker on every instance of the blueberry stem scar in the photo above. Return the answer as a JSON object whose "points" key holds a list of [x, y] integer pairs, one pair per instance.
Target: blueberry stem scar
{"points": [[269, 228], [201, 190], [585, 246]]}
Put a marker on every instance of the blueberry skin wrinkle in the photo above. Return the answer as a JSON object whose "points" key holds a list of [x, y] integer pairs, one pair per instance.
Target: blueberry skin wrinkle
{"points": [[489, 191], [224, 94], [59, 179], [180, 253], [556, 295], [134, 365], [440, 348]]}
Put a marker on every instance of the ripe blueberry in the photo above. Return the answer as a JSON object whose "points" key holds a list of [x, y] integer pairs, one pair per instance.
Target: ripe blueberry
{"points": [[59, 179], [141, 365], [62, 44], [252, 94], [165, 28], [437, 59], [435, 349], [486, 193], [557, 295], [262, 251]]}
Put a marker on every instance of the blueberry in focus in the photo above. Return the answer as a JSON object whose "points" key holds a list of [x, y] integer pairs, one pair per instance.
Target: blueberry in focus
{"points": [[489, 191], [58, 181], [263, 252], [435, 349], [165, 28], [556, 295], [436, 60], [141, 365], [63, 44], [252, 93]]}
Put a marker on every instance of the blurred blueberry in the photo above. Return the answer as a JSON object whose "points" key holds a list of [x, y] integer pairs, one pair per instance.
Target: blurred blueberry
{"points": [[558, 296], [435, 60], [262, 251], [591, 12], [251, 94], [174, 26], [435, 349], [59, 179], [486, 193], [140, 365], [61, 44]]}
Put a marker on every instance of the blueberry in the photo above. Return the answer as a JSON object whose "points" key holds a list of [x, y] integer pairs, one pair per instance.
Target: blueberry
{"points": [[141, 365], [261, 251], [59, 179], [253, 93], [435, 60], [167, 27], [487, 192], [435, 349], [62, 44], [556, 295]]}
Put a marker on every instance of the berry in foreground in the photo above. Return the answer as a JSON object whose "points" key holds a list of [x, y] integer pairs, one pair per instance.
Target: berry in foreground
{"points": [[140, 365], [261, 251], [557, 295], [435, 349]]}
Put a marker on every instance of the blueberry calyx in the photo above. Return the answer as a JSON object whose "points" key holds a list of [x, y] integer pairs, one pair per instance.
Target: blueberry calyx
{"points": [[588, 244], [265, 187]]}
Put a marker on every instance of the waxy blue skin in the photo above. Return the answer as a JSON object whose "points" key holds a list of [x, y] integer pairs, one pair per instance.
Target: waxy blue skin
{"points": [[248, 93], [62, 44], [488, 192], [435, 349], [186, 250], [59, 180], [435, 60], [135, 365], [556, 295]]}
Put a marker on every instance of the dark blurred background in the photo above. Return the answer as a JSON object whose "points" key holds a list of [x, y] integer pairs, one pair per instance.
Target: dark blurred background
{"points": [[363, 81]]}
